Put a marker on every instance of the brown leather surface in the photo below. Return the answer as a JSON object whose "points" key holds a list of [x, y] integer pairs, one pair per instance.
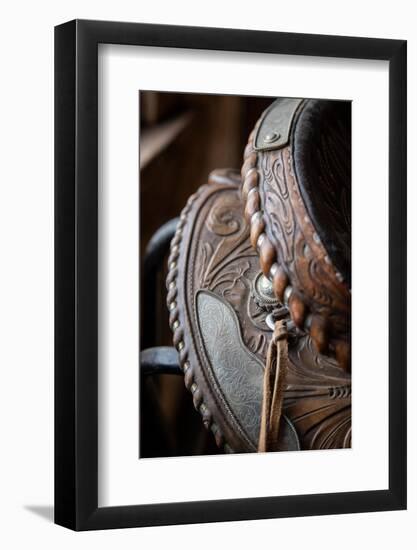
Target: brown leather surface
{"points": [[297, 200], [220, 333]]}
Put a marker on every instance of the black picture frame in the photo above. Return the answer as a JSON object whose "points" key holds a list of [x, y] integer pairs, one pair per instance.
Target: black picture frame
{"points": [[76, 270]]}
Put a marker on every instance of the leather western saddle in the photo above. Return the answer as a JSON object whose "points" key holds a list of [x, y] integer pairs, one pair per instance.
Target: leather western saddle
{"points": [[259, 286]]}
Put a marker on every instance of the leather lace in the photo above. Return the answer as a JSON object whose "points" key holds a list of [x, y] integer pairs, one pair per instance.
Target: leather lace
{"points": [[273, 388]]}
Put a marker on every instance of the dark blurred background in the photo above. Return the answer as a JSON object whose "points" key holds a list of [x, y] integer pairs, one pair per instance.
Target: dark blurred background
{"points": [[183, 137]]}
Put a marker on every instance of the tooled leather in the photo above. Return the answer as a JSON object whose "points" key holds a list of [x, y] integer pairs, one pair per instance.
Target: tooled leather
{"points": [[279, 216], [211, 252], [298, 245]]}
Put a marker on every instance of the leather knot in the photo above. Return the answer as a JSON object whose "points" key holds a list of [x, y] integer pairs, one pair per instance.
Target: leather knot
{"points": [[280, 331]]}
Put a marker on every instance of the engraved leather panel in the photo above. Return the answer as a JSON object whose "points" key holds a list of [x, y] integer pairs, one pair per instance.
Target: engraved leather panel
{"points": [[238, 371]]}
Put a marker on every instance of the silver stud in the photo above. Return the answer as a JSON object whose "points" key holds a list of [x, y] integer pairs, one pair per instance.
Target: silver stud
{"points": [[271, 137], [180, 345], [175, 324], [265, 286]]}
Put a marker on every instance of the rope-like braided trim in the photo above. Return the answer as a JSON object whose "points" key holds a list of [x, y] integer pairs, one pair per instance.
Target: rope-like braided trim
{"points": [[314, 324], [178, 332]]}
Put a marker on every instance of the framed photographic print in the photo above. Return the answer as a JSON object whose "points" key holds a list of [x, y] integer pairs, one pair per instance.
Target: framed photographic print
{"points": [[230, 251]]}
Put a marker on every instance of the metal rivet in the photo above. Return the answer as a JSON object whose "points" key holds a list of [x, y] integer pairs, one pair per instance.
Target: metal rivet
{"points": [[171, 284], [270, 321], [172, 305], [172, 265], [176, 324], [271, 137], [186, 366], [265, 286], [180, 345], [193, 388]]}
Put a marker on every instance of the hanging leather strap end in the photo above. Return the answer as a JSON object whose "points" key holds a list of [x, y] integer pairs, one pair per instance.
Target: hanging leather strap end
{"points": [[273, 388]]}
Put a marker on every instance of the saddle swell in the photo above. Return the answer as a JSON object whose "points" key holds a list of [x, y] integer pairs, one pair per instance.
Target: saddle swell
{"points": [[296, 191]]}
